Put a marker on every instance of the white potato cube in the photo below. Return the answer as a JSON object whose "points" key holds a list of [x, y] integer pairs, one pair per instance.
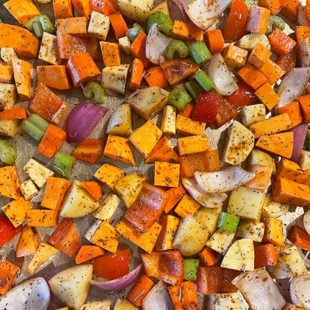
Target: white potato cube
{"points": [[246, 203], [251, 230], [249, 41], [7, 54], [135, 9], [97, 305], [125, 45], [8, 95], [304, 160], [115, 77], [48, 49], [108, 208], [252, 114], [28, 189], [220, 240], [239, 143], [168, 123], [232, 301], [37, 172], [99, 25]]}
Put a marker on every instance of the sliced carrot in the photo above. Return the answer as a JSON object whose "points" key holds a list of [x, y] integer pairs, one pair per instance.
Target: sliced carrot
{"points": [[187, 110], [302, 32], [68, 44], [288, 169], [252, 76], [54, 193], [8, 275], [62, 9], [14, 113], [287, 191], [272, 5], [28, 242], [6, 73], [162, 151], [236, 22], [82, 7], [280, 42], [267, 96], [23, 41], [265, 255], [118, 24], [140, 289], [87, 253], [207, 256], [304, 102], [82, 68], [93, 188], [279, 143], [273, 232], [215, 40], [52, 140], [204, 161], [138, 48], [186, 31], [299, 237], [274, 124], [54, 76], [155, 76], [175, 195], [294, 112], [111, 54], [136, 76], [184, 296], [272, 71], [289, 9], [106, 7], [89, 150]]}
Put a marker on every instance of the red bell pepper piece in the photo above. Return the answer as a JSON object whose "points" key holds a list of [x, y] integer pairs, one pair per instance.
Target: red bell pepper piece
{"points": [[245, 95], [7, 230]]}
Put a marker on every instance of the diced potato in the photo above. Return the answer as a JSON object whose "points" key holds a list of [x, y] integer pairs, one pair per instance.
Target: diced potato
{"points": [[232, 301], [124, 304], [115, 77], [249, 41], [251, 230], [48, 49], [251, 114], [37, 172], [42, 257], [28, 189], [109, 174], [239, 143], [129, 187], [240, 255], [8, 127], [261, 158], [135, 9], [200, 225], [108, 208], [99, 25], [97, 305], [290, 263], [77, 202], [246, 203], [168, 123], [71, 285], [304, 160], [125, 45], [148, 101], [220, 240], [259, 290], [274, 209], [120, 121], [8, 95], [7, 54]]}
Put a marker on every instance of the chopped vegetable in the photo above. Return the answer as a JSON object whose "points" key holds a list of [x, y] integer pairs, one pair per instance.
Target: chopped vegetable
{"points": [[162, 20], [175, 49]]}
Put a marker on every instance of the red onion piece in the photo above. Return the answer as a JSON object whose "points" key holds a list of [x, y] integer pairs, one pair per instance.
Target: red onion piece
{"points": [[82, 119], [119, 283], [299, 132]]}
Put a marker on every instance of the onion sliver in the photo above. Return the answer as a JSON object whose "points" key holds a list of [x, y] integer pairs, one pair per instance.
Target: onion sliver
{"points": [[224, 82], [293, 85], [119, 283], [82, 119], [299, 134]]}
